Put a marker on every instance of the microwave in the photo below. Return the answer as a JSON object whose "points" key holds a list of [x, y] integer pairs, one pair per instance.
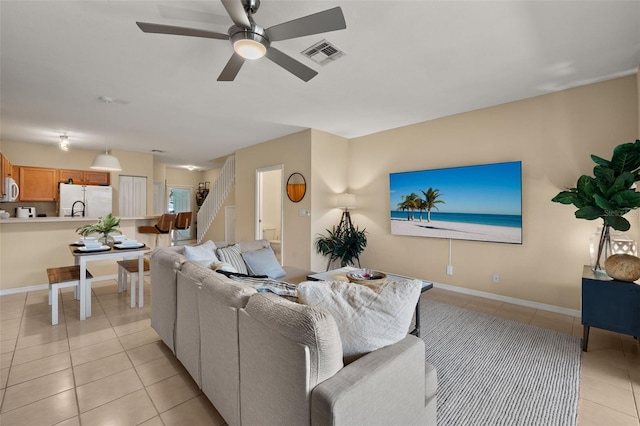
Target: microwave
{"points": [[11, 189]]}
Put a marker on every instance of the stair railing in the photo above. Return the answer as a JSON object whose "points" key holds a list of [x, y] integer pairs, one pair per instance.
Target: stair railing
{"points": [[215, 199]]}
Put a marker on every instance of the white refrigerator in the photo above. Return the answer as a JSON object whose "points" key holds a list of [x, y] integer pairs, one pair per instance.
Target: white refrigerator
{"points": [[85, 200]]}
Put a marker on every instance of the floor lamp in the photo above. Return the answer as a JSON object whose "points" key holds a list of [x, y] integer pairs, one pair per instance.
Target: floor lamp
{"points": [[346, 201]]}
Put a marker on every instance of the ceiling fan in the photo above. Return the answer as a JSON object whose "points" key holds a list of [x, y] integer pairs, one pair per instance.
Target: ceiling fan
{"points": [[250, 41]]}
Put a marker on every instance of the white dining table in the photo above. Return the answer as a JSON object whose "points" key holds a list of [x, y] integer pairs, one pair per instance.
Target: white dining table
{"points": [[82, 257]]}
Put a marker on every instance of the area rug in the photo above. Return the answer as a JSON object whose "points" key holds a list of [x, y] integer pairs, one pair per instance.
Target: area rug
{"points": [[494, 371]]}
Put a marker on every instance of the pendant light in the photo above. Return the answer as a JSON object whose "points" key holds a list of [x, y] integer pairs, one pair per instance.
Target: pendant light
{"points": [[106, 161]]}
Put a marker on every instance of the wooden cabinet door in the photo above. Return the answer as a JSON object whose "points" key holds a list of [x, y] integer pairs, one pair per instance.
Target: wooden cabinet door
{"points": [[38, 184], [6, 170], [75, 175], [97, 177], [3, 172]]}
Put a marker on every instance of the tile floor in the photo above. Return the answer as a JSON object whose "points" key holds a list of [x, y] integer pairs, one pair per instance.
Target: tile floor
{"points": [[113, 369]]}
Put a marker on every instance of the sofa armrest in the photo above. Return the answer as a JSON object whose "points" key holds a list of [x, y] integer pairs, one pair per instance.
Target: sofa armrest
{"points": [[384, 387]]}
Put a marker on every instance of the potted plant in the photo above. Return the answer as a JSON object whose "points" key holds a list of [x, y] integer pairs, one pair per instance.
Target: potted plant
{"points": [[608, 194], [105, 226], [343, 242]]}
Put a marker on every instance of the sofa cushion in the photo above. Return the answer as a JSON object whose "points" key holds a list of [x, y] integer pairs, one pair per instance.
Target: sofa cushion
{"points": [[231, 254], [203, 254], [263, 262], [253, 245], [368, 317]]}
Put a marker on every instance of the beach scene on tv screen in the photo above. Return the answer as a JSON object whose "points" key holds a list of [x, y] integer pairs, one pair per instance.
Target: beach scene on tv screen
{"points": [[478, 203]]}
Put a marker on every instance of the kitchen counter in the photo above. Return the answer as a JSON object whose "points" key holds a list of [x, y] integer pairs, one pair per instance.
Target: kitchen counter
{"points": [[28, 246], [49, 219]]}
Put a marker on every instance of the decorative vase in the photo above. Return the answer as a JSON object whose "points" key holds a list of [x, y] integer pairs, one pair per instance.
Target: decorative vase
{"points": [[600, 248], [107, 239]]}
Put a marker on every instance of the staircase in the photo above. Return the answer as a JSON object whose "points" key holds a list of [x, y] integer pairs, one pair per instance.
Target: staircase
{"points": [[215, 199]]}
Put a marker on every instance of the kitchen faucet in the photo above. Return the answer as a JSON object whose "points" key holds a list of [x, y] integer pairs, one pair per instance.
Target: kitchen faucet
{"points": [[73, 206]]}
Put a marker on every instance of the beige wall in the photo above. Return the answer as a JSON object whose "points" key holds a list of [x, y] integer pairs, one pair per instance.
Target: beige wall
{"points": [[294, 152], [553, 135], [329, 171]]}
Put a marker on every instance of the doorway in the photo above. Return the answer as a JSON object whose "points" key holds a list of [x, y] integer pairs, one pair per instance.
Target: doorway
{"points": [[269, 186]]}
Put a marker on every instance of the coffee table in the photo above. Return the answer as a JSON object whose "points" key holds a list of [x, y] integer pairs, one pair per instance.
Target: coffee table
{"points": [[342, 272]]}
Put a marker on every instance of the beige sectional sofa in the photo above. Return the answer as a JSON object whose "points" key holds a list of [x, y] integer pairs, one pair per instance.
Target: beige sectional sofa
{"points": [[263, 359]]}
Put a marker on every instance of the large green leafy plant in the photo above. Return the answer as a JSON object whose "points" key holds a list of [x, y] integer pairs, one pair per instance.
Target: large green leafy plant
{"points": [[105, 226], [343, 243], [608, 194]]}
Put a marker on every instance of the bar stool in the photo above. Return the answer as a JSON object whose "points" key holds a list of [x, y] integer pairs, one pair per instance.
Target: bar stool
{"points": [[61, 277], [130, 267], [164, 226], [183, 222]]}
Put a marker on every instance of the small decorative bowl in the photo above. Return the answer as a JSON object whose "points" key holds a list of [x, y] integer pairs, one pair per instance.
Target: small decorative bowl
{"points": [[366, 277]]}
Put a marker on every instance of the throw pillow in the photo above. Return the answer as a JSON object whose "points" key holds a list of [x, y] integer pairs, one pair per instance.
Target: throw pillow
{"points": [[223, 266], [203, 254], [368, 317], [231, 254], [263, 262]]}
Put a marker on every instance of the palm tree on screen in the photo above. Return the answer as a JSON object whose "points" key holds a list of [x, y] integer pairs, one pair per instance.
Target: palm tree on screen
{"points": [[409, 202], [431, 199]]}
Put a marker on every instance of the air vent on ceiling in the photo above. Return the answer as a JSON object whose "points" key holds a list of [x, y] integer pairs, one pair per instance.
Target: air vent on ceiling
{"points": [[323, 52]]}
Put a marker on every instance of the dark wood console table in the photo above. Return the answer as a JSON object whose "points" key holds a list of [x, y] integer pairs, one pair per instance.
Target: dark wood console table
{"points": [[609, 304]]}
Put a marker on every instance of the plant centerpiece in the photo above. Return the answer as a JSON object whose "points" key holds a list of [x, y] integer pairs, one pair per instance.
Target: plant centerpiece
{"points": [[608, 194], [105, 226]]}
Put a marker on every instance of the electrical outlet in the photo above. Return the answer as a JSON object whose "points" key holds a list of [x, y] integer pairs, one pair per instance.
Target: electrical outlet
{"points": [[496, 278], [449, 270]]}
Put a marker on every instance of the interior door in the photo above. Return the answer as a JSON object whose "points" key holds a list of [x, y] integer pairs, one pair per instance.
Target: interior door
{"points": [[269, 184], [132, 198]]}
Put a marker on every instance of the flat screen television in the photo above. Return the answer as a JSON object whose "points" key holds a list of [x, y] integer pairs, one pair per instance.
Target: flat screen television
{"points": [[479, 203]]}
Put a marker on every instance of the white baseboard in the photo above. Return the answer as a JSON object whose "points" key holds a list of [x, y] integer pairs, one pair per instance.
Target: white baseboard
{"points": [[521, 302], [448, 287], [38, 287]]}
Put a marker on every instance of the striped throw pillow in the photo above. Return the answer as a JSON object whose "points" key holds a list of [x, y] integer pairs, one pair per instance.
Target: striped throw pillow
{"points": [[231, 255]]}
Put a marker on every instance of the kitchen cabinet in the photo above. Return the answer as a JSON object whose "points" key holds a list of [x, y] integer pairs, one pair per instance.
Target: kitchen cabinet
{"points": [[97, 177], [6, 170], [37, 183], [88, 176]]}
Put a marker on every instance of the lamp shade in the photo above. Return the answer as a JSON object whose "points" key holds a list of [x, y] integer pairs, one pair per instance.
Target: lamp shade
{"points": [[346, 201], [106, 162]]}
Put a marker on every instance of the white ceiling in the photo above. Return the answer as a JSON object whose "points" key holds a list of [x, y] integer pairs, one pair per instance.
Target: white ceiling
{"points": [[406, 62]]}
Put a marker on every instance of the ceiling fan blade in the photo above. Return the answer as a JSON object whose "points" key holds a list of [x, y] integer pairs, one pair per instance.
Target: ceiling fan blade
{"points": [[169, 29], [296, 68], [321, 22], [232, 68], [172, 12], [236, 12]]}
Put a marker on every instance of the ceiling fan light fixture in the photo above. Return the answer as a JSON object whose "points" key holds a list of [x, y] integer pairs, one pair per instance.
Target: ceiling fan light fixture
{"points": [[249, 43], [249, 49]]}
